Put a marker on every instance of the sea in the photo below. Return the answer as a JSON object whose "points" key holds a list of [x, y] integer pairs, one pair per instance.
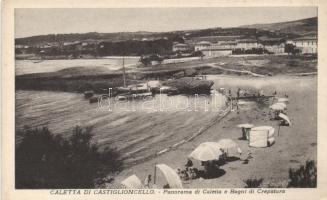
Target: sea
{"points": [[42, 66]]}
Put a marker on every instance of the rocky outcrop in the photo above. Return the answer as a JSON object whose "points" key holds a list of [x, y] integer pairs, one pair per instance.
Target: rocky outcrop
{"points": [[189, 85]]}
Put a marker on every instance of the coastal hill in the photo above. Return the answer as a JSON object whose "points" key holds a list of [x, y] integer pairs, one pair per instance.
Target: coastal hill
{"points": [[282, 29], [300, 27]]}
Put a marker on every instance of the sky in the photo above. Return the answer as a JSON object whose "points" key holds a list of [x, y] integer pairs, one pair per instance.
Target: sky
{"points": [[41, 21]]}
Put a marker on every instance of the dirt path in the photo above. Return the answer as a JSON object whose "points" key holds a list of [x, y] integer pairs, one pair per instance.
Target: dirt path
{"points": [[213, 65]]}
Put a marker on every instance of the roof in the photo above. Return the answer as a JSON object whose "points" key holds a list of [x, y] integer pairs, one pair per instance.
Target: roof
{"points": [[271, 41], [247, 41], [215, 39], [180, 45], [204, 43], [306, 38], [228, 43], [218, 49]]}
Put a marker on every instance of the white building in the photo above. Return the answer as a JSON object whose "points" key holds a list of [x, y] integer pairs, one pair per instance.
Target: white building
{"points": [[210, 53], [273, 45], [247, 44], [202, 45], [306, 45], [180, 47]]}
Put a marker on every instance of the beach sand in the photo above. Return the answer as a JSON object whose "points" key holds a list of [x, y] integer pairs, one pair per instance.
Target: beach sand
{"points": [[292, 148]]}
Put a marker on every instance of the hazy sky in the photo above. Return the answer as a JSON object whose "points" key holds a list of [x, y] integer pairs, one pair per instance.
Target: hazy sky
{"points": [[30, 21]]}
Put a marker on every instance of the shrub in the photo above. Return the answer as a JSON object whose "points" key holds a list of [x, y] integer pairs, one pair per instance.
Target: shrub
{"points": [[253, 183], [47, 161], [303, 177]]}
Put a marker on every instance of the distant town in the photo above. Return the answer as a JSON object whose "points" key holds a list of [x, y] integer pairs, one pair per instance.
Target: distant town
{"points": [[154, 48]]}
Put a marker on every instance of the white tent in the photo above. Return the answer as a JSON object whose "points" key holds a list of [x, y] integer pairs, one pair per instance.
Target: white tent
{"points": [[132, 182], [171, 176]]}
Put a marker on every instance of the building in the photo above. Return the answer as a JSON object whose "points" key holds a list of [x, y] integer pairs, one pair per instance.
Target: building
{"points": [[214, 39], [202, 45], [180, 47], [275, 48], [247, 44], [228, 45], [273, 45], [210, 53], [306, 45]]}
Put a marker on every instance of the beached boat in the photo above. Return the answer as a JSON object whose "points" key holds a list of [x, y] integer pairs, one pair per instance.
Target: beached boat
{"points": [[88, 94], [130, 96]]}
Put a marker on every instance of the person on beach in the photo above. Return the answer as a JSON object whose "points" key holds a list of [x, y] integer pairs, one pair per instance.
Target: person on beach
{"points": [[188, 164], [147, 181]]}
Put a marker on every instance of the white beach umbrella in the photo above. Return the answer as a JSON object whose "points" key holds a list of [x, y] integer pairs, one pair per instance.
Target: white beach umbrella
{"points": [[285, 117], [213, 145], [171, 176], [277, 107], [132, 182], [229, 146], [245, 125], [282, 104], [282, 99], [206, 152], [227, 143]]}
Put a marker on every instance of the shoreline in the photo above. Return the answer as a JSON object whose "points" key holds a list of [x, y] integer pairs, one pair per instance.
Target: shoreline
{"points": [[287, 152]]}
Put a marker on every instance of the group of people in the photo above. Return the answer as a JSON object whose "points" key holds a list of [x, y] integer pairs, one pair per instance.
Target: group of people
{"points": [[189, 172]]}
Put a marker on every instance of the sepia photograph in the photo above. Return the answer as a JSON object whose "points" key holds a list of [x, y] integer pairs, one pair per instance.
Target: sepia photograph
{"points": [[166, 98]]}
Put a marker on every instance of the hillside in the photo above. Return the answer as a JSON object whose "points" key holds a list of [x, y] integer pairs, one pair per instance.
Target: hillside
{"points": [[299, 27], [273, 30]]}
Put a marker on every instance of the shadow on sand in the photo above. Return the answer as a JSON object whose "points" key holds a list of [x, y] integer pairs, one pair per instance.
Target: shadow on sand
{"points": [[215, 173]]}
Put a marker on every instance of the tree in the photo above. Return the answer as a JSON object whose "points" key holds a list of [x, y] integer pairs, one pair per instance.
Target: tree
{"points": [[289, 48], [47, 161], [303, 177]]}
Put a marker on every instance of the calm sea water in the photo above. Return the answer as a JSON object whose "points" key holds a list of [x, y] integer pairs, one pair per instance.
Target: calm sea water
{"points": [[38, 66], [137, 133]]}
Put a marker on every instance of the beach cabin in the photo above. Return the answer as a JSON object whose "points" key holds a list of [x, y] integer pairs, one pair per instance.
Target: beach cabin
{"points": [[262, 136]]}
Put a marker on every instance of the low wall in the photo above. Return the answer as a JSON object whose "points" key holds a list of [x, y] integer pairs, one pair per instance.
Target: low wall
{"points": [[179, 60]]}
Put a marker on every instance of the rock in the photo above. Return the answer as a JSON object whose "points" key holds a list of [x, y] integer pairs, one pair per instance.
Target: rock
{"points": [[190, 85], [179, 74], [190, 72]]}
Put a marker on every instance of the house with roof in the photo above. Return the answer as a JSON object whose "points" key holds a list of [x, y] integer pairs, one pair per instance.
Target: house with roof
{"points": [[216, 52], [306, 45], [202, 45], [179, 47], [273, 45], [246, 44]]}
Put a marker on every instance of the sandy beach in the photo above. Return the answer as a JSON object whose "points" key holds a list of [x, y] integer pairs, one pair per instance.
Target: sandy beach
{"points": [[293, 147]]}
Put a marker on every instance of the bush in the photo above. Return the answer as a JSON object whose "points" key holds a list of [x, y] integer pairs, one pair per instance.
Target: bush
{"points": [[47, 161], [303, 177], [253, 183]]}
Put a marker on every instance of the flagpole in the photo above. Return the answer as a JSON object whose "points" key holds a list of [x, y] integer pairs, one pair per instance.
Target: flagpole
{"points": [[155, 173], [124, 71]]}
